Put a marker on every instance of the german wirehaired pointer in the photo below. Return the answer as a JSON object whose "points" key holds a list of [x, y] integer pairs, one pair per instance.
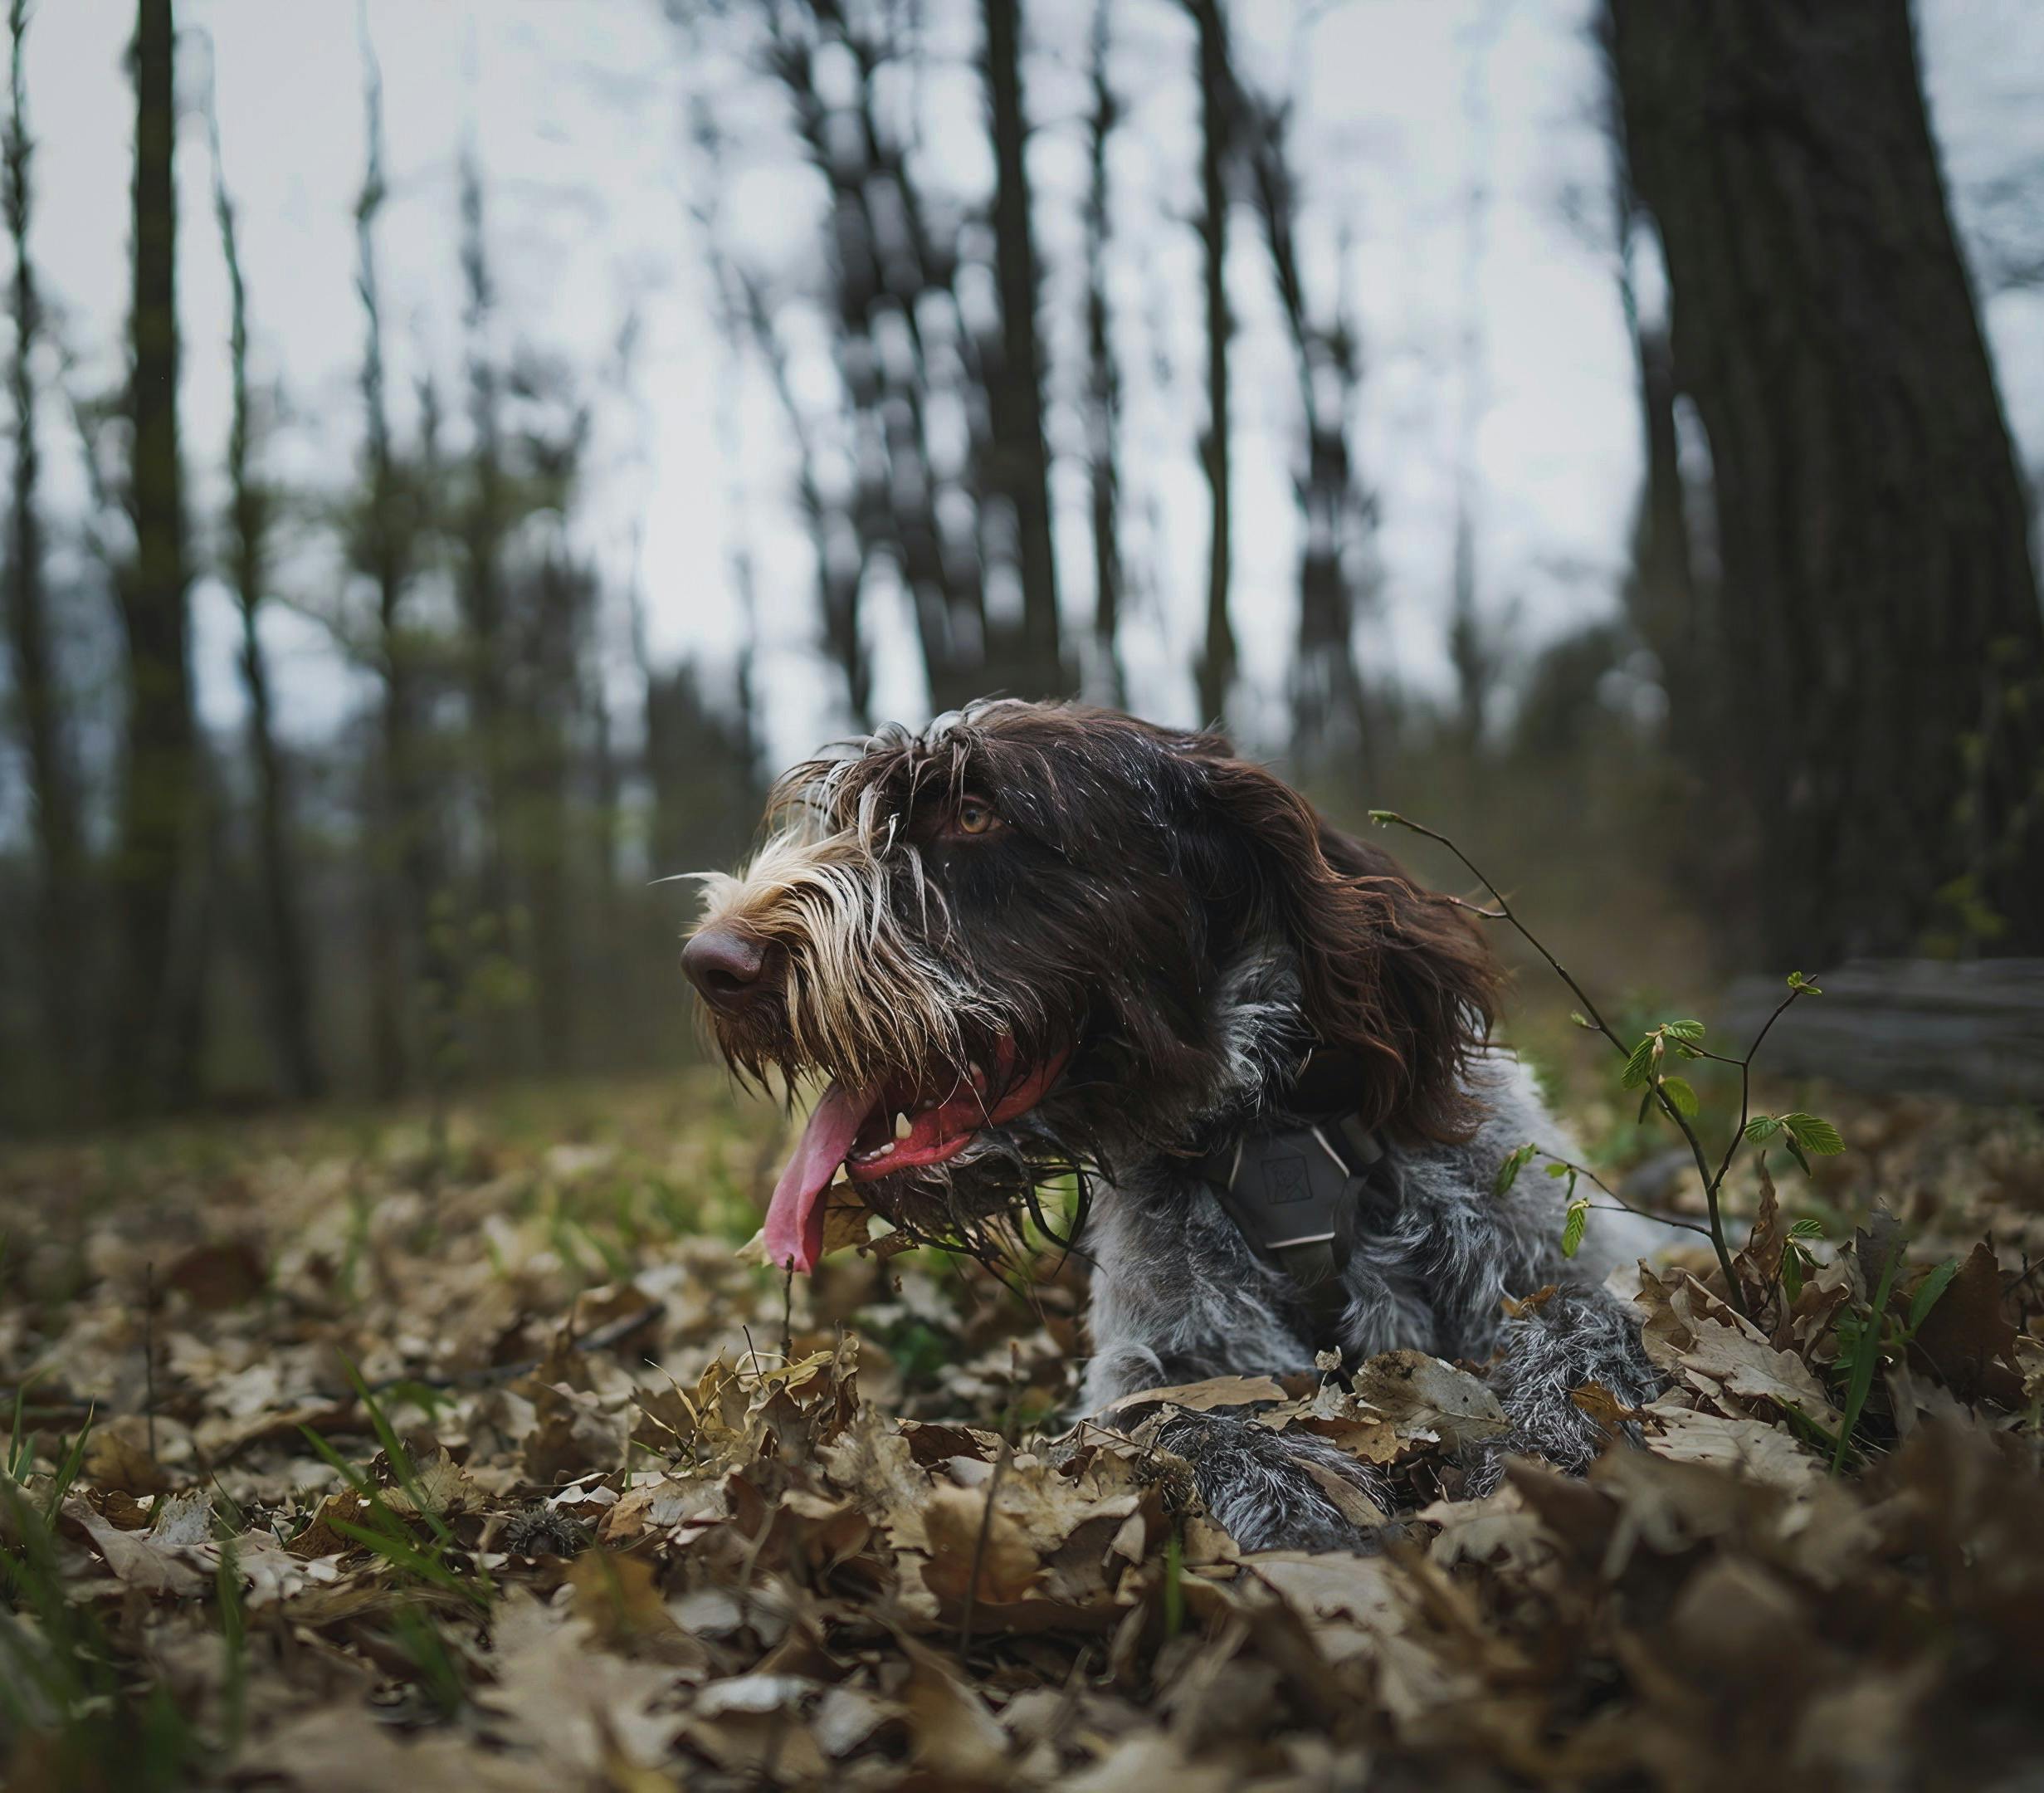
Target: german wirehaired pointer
{"points": [[1038, 940]]}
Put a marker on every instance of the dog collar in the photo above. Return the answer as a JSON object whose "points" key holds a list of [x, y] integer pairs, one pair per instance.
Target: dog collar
{"points": [[1291, 1192]]}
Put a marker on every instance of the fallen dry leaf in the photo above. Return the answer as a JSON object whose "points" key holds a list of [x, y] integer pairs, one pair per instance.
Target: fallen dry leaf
{"points": [[1203, 1397], [1421, 1396], [844, 1533]]}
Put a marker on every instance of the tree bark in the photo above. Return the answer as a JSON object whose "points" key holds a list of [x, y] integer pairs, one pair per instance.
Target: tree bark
{"points": [[1216, 669], [890, 273], [480, 586], [159, 793], [1103, 383], [1330, 713], [833, 542], [403, 864], [59, 848], [1877, 632], [1018, 454], [284, 969], [561, 601], [1661, 596]]}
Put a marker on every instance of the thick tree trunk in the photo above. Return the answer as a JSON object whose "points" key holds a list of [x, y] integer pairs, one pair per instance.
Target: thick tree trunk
{"points": [[60, 850], [160, 793], [1878, 636], [1018, 456], [1216, 669]]}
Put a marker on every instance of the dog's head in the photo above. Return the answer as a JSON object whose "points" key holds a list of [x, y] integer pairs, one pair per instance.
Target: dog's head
{"points": [[1036, 937]]}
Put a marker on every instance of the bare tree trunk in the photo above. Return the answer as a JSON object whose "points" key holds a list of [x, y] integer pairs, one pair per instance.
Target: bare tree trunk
{"points": [[1216, 669], [562, 593], [1663, 599], [667, 845], [287, 983], [380, 553], [480, 586], [744, 313], [160, 795], [608, 789], [833, 540], [1330, 714], [1103, 381], [1018, 456], [1878, 630], [1472, 644], [406, 879], [1665, 594], [60, 847], [1469, 646], [892, 276], [384, 917]]}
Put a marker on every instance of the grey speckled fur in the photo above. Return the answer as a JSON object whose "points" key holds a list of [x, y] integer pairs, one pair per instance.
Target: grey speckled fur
{"points": [[1177, 1296]]}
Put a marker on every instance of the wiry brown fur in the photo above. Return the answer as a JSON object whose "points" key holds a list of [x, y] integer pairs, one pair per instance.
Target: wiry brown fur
{"points": [[1136, 861], [1392, 972], [857, 994], [1207, 959]]}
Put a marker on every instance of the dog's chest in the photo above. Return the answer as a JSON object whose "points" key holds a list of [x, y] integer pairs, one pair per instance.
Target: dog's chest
{"points": [[1297, 1196]]}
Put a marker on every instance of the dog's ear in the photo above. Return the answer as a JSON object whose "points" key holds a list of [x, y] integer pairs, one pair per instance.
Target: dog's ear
{"points": [[1392, 975]]}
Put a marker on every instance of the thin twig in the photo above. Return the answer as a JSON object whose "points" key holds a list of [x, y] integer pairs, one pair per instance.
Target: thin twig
{"points": [[1628, 1207], [1596, 1018], [148, 1351], [1745, 1077], [788, 1314], [979, 1550], [1506, 913]]}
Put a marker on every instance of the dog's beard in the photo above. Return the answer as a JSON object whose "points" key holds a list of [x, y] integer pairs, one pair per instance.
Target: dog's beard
{"points": [[866, 987], [944, 1097], [1011, 1190], [922, 1062]]}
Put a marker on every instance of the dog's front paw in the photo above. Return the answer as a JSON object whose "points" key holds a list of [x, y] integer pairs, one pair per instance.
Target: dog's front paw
{"points": [[1570, 1341], [1273, 1491]]}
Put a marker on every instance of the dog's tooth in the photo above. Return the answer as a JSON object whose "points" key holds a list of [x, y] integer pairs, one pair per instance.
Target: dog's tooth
{"points": [[977, 1072], [902, 1127]]}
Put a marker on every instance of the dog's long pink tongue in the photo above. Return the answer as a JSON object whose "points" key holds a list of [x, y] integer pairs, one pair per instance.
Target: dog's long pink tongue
{"points": [[794, 1228]]}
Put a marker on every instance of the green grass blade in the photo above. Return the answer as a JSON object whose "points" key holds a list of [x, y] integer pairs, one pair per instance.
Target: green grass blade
{"points": [[1865, 1357]]}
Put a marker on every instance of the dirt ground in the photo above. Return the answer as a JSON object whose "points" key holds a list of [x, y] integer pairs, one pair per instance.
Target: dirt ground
{"points": [[339, 1456]]}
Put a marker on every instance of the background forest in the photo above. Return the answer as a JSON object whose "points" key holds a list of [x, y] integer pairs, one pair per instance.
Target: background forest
{"points": [[456, 453], [353, 724]]}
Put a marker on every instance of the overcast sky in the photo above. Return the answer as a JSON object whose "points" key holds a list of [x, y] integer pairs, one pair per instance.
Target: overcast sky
{"points": [[579, 110]]}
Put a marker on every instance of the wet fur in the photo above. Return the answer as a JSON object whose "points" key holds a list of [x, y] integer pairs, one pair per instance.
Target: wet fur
{"points": [[1186, 924]]}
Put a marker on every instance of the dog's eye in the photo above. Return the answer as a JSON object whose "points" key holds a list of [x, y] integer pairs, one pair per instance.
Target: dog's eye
{"points": [[975, 816]]}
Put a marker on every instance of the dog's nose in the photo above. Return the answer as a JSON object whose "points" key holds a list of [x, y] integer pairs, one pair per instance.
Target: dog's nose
{"points": [[725, 965]]}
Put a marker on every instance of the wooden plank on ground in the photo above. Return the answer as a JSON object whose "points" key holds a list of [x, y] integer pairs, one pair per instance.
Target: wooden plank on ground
{"points": [[1972, 1030]]}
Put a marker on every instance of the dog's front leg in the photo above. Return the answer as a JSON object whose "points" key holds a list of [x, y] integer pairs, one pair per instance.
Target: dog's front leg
{"points": [[1576, 1336], [1178, 1297]]}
